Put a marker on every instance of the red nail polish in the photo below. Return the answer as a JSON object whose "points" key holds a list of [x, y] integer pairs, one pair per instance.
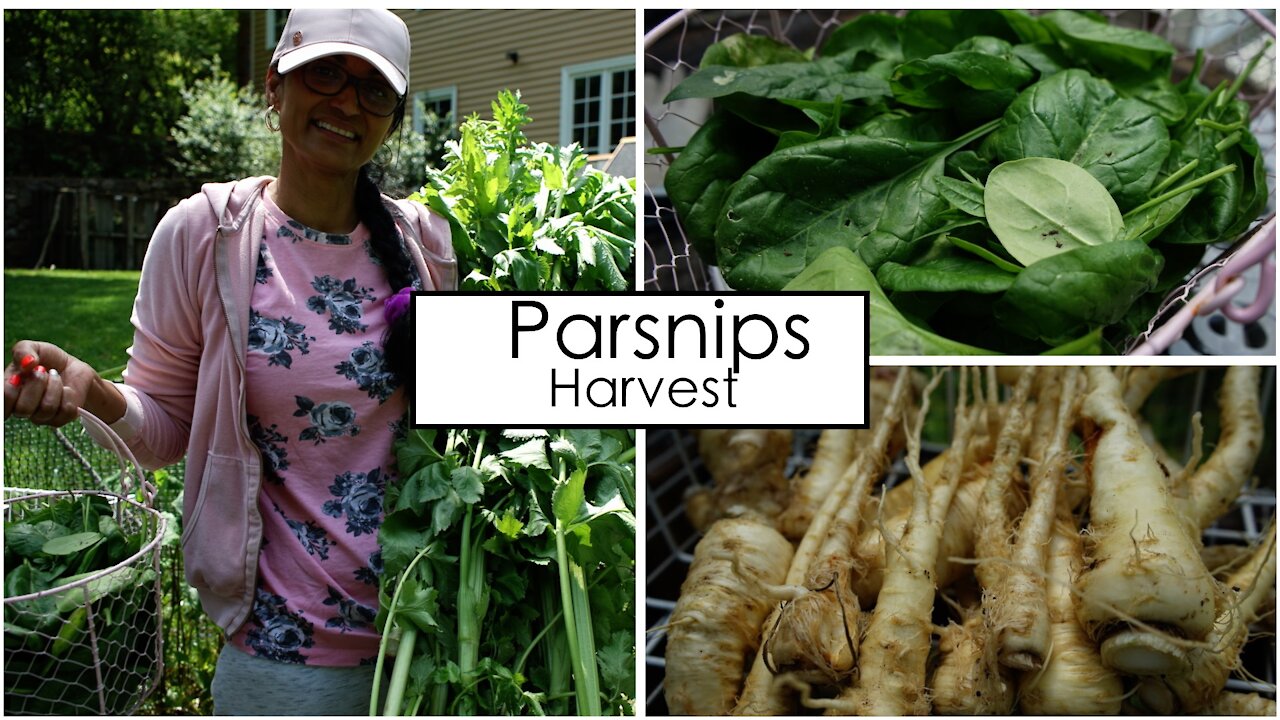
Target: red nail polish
{"points": [[40, 370], [15, 380], [27, 360]]}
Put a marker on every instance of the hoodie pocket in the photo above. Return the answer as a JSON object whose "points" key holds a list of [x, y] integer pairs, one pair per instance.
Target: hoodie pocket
{"points": [[216, 538]]}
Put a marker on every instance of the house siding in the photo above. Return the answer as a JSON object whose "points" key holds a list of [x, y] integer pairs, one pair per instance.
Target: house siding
{"points": [[468, 49]]}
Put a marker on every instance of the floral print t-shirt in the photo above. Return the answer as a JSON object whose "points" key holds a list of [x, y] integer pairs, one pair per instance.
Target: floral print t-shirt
{"points": [[324, 413]]}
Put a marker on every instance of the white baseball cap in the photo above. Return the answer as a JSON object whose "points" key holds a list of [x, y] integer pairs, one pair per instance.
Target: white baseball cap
{"points": [[379, 36]]}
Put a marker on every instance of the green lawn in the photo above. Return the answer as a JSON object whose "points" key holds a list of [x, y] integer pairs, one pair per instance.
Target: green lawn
{"points": [[86, 312]]}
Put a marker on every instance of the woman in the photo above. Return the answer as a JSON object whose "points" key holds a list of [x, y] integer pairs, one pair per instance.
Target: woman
{"points": [[271, 349]]}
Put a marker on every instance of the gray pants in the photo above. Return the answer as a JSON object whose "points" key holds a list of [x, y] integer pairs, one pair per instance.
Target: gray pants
{"points": [[244, 684]]}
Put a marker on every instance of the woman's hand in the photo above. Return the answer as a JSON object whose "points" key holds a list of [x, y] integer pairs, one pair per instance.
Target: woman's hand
{"points": [[49, 386]]}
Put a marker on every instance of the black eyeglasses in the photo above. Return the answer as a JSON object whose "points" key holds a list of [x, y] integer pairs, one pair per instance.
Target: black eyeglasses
{"points": [[373, 93]]}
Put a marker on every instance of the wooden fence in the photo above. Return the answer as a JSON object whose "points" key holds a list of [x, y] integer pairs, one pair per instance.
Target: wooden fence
{"points": [[91, 224]]}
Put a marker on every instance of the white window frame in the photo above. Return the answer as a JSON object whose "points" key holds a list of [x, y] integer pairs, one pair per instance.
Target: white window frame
{"points": [[449, 93], [273, 28], [606, 68]]}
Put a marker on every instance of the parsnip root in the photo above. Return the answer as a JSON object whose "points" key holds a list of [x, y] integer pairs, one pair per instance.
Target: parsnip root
{"points": [[715, 626], [1143, 559]]}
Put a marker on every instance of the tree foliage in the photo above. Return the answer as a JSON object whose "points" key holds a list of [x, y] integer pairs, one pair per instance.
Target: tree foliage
{"points": [[94, 92], [224, 134]]}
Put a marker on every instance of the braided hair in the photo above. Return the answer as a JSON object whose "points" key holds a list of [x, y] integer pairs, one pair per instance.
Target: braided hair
{"points": [[390, 252]]}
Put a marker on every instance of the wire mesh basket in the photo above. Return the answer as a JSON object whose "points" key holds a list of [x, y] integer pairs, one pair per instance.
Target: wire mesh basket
{"points": [[675, 43], [89, 642], [674, 469]]}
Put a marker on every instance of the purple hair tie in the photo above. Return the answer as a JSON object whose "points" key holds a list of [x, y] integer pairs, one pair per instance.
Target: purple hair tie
{"points": [[395, 306]]}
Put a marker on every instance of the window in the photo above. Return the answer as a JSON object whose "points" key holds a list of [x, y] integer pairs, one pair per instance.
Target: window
{"points": [[441, 101], [275, 25], [598, 103]]}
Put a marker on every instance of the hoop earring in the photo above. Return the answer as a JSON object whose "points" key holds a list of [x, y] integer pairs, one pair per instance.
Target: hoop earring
{"points": [[273, 113]]}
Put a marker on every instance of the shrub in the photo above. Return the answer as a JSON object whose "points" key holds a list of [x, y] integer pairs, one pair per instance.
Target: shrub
{"points": [[224, 134]]}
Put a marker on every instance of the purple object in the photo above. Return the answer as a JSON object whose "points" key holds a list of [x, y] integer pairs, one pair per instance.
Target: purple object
{"points": [[397, 305]]}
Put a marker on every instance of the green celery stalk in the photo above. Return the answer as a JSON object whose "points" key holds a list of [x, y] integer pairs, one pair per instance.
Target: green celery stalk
{"points": [[577, 623], [400, 673], [473, 599], [408, 637], [472, 603]]}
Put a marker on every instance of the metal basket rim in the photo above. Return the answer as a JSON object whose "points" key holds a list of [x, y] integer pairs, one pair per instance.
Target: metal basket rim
{"points": [[147, 550]]}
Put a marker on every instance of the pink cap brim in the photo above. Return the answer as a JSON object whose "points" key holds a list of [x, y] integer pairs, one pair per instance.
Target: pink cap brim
{"points": [[315, 51]]}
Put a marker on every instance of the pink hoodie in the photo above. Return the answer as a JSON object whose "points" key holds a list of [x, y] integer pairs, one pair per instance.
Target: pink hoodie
{"points": [[185, 383]]}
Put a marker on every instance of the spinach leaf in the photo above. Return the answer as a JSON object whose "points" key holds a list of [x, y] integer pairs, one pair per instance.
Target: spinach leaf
{"points": [[1229, 204], [930, 32], [1122, 156], [945, 274], [902, 125], [869, 37], [743, 50], [1067, 295], [1118, 52], [1026, 26], [839, 269], [873, 194], [963, 196], [1147, 223], [970, 162], [1076, 117], [1045, 58], [701, 176], [977, 79], [799, 84], [1160, 94], [1039, 207]]}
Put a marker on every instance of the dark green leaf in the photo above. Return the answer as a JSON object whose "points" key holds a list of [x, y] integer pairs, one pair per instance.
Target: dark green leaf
{"points": [[418, 607], [963, 195], [468, 483], [931, 32], [538, 522], [945, 274], [977, 79], [1044, 58], [1065, 296], [617, 660], [1075, 117], [839, 270], [1117, 51], [875, 195], [430, 483], [819, 82], [401, 536], [700, 177], [873, 36], [445, 511], [415, 451]]}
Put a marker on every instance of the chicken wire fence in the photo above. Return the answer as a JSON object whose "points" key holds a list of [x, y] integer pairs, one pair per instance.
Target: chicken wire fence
{"points": [[1229, 38], [674, 469], [92, 642]]}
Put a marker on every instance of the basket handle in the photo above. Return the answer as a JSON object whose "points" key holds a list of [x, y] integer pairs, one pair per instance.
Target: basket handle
{"points": [[131, 471]]}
